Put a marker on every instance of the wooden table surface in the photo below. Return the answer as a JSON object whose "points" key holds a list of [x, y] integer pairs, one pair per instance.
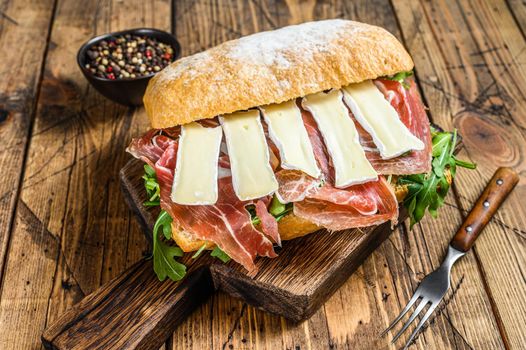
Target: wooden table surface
{"points": [[65, 229]]}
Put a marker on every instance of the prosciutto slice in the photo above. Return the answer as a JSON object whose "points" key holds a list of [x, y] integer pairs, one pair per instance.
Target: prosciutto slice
{"points": [[297, 187], [150, 147], [336, 209], [356, 196], [337, 217], [227, 223], [269, 225], [411, 111]]}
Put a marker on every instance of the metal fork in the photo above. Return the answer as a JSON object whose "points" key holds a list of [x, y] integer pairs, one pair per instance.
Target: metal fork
{"points": [[435, 285]]}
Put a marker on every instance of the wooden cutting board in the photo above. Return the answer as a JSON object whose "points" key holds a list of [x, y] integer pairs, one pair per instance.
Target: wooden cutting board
{"points": [[136, 310]]}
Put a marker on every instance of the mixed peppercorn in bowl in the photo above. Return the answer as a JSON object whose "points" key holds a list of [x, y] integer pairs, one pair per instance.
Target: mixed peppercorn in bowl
{"points": [[120, 64]]}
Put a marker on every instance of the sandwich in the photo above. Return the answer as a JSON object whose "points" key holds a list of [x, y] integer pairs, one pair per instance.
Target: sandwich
{"points": [[279, 134]]}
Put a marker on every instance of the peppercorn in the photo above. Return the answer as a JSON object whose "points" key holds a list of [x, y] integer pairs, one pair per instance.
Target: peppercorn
{"points": [[127, 57]]}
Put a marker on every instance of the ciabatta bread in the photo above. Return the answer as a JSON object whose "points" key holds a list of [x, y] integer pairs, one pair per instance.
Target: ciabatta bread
{"points": [[272, 67]]}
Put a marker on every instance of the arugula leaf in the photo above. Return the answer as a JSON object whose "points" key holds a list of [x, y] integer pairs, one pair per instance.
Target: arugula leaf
{"points": [[428, 191], [401, 77], [253, 216], [440, 141], [221, 255], [164, 254], [164, 263], [288, 209], [464, 164], [199, 251], [276, 207], [164, 221], [151, 186]]}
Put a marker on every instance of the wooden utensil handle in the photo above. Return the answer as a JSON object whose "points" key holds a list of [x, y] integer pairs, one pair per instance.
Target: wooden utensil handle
{"points": [[500, 185], [133, 311]]}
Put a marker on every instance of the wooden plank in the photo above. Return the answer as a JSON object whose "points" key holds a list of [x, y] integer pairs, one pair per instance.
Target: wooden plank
{"points": [[73, 230], [475, 82], [337, 325], [24, 27], [518, 11], [127, 313]]}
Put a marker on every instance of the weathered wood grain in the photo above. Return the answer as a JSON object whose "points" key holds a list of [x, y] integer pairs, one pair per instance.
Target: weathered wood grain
{"points": [[518, 11], [470, 58], [24, 27], [72, 230], [470, 62], [125, 313], [357, 313], [138, 311]]}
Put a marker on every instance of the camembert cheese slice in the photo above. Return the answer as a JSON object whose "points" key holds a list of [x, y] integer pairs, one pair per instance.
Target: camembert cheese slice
{"points": [[252, 175], [195, 178], [376, 115], [287, 131], [341, 138]]}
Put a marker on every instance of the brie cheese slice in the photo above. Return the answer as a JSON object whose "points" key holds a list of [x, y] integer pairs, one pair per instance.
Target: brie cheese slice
{"points": [[252, 175], [195, 178], [376, 115], [286, 130], [341, 138]]}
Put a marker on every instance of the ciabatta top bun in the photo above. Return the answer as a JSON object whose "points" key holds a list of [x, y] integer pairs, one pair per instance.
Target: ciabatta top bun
{"points": [[272, 67]]}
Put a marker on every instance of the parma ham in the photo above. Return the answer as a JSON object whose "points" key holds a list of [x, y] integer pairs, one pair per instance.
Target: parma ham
{"points": [[360, 205], [337, 215], [411, 111], [337, 209], [227, 223], [150, 147]]}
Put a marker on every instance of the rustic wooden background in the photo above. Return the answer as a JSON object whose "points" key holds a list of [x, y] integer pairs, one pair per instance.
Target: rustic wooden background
{"points": [[65, 230]]}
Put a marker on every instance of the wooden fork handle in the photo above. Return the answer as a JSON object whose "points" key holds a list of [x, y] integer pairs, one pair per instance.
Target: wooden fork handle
{"points": [[501, 184]]}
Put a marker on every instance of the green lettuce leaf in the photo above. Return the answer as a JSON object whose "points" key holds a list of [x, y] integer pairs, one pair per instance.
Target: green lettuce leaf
{"points": [[401, 78], [164, 263], [221, 255], [151, 186], [427, 192]]}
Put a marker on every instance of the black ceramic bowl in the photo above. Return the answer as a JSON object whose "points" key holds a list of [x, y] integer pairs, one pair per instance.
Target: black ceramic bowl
{"points": [[125, 91]]}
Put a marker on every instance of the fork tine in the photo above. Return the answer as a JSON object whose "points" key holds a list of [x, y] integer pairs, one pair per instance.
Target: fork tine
{"points": [[419, 308], [420, 324], [404, 311]]}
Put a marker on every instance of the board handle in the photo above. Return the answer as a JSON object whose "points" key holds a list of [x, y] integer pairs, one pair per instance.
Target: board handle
{"points": [[133, 311], [499, 187]]}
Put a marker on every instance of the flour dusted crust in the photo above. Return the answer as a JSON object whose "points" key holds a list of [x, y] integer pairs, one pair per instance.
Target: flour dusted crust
{"points": [[272, 67]]}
